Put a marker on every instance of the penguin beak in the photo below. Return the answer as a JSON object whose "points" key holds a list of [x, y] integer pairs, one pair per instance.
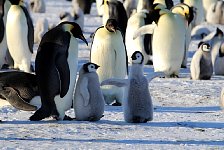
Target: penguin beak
{"points": [[97, 66], [83, 38]]}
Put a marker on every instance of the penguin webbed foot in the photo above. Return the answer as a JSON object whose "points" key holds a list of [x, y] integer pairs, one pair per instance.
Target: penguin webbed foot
{"points": [[68, 118], [116, 103], [39, 115], [174, 76]]}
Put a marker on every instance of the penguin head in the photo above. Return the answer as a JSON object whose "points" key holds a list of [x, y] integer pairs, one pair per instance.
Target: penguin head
{"points": [[90, 67], [111, 25], [17, 2], [74, 29], [205, 47], [158, 10], [137, 57]]}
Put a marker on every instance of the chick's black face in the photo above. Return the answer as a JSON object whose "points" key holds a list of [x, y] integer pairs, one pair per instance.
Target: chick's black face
{"points": [[111, 25], [90, 67]]}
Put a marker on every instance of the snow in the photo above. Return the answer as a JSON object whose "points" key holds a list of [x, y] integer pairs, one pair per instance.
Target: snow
{"points": [[187, 113]]}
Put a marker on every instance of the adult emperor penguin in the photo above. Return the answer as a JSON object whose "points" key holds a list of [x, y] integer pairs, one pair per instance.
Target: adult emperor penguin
{"points": [[40, 29], [114, 9], [215, 13], [137, 104], [187, 15], [20, 40], [166, 3], [142, 43], [207, 4], [201, 64], [56, 66], [37, 6], [20, 90], [108, 51], [85, 5], [168, 40], [4, 8], [88, 98], [219, 61]]}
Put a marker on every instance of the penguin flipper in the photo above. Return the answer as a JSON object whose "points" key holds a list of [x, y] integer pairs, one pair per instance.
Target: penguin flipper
{"points": [[84, 91], [115, 81], [64, 72], [153, 75], [13, 97], [147, 29]]}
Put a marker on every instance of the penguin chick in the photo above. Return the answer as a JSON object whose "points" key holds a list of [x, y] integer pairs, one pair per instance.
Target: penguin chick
{"points": [[56, 66], [219, 61], [137, 104], [37, 6], [88, 97], [201, 64]]}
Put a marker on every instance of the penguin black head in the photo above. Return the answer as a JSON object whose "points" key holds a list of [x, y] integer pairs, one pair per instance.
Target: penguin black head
{"points": [[205, 47], [90, 67], [111, 25], [137, 57], [74, 29], [16, 2], [219, 33], [158, 10], [63, 15]]}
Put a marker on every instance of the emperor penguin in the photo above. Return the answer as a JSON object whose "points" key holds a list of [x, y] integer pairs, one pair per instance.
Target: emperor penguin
{"points": [[219, 61], [215, 13], [137, 103], [4, 8], [85, 5], [142, 43], [20, 90], [130, 6], [201, 64], [56, 66], [199, 11], [207, 4], [40, 29], [187, 15], [168, 4], [114, 9], [168, 40], [199, 32], [99, 7], [88, 98], [37, 6], [20, 35], [109, 52], [78, 15]]}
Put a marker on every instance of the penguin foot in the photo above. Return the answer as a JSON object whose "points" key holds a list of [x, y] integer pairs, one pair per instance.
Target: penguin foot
{"points": [[174, 76], [68, 118], [183, 66], [116, 103], [39, 115]]}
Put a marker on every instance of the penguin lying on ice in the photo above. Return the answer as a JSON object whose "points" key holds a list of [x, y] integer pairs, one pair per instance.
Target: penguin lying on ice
{"points": [[137, 104]]}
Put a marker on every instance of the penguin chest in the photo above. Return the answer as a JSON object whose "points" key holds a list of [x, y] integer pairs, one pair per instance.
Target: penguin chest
{"points": [[17, 34]]}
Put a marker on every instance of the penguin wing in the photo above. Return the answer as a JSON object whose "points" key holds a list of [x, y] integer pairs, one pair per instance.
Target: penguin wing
{"points": [[13, 97], [147, 29], [115, 81], [30, 29], [153, 75], [64, 72], [84, 91]]}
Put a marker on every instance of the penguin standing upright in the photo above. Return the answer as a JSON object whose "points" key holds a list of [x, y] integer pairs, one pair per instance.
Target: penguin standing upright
{"points": [[85, 5], [108, 51], [88, 97], [40, 29], [56, 66], [37, 6], [201, 64], [168, 40], [137, 104], [4, 8], [187, 15], [20, 35], [219, 61], [142, 43], [114, 9]]}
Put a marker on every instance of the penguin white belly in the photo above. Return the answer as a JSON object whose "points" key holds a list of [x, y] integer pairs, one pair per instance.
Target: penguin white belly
{"points": [[109, 53], [168, 44], [132, 45], [65, 103], [17, 38]]}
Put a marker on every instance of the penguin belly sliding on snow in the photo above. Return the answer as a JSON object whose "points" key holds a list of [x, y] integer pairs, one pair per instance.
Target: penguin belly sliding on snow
{"points": [[56, 66], [20, 90], [20, 35], [137, 104], [168, 40], [108, 51], [88, 98], [201, 64]]}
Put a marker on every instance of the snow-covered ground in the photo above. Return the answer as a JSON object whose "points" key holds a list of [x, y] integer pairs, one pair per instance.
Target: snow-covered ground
{"points": [[187, 113]]}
